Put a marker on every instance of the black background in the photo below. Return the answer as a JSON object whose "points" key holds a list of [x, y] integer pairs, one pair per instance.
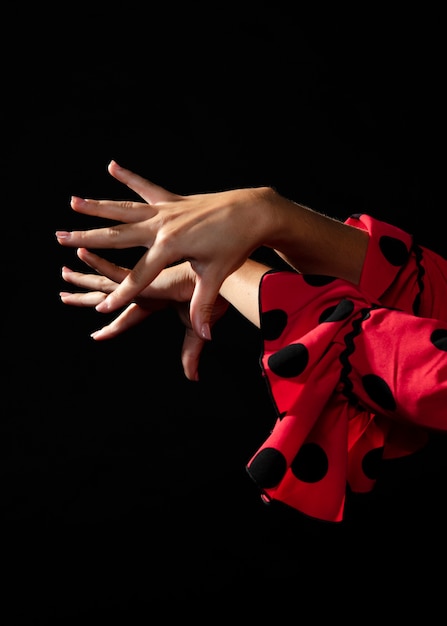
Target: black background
{"points": [[123, 489]]}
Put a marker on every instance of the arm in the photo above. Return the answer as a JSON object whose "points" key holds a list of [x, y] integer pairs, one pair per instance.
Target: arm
{"points": [[217, 233], [173, 287], [314, 243], [241, 289]]}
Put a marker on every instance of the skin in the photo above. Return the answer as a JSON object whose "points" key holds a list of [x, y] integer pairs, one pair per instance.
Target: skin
{"points": [[173, 287], [215, 232]]}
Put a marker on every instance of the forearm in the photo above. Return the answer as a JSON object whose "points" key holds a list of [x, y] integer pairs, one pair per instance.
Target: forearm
{"points": [[241, 289], [311, 242]]}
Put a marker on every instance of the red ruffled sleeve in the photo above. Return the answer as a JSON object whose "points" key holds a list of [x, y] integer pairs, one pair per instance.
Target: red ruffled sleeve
{"points": [[398, 272], [329, 359]]}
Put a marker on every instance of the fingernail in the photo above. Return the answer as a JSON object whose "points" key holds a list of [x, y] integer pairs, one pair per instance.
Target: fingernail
{"points": [[206, 332], [63, 234], [77, 199], [102, 307]]}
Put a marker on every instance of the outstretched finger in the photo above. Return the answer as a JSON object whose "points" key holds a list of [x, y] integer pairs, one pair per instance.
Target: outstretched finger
{"points": [[145, 271], [130, 317], [124, 211], [86, 300], [114, 272], [92, 282], [114, 237], [144, 188]]}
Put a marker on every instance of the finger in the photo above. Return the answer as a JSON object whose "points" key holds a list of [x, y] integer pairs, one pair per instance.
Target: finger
{"points": [[93, 282], [115, 272], [144, 188], [145, 271], [191, 351], [166, 285], [130, 317], [202, 305], [90, 299], [120, 211], [112, 237]]}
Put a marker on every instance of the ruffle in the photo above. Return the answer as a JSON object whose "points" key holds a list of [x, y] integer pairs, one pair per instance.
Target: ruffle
{"points": [[329, 360]]}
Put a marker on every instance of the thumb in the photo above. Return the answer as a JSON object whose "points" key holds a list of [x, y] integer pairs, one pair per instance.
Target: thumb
{"points": [[201, 307]]}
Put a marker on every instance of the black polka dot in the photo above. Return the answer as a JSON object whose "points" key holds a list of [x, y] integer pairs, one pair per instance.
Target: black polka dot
{"points": [[379, 391], [371, 463], [289, 361], [268, 468], [439, 339], [318, 280], [310, 464], [336, 313], [273, 323], [394, 250]]}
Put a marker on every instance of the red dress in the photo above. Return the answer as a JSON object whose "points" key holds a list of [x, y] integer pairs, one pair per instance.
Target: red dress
{"points": [[356, 374]]}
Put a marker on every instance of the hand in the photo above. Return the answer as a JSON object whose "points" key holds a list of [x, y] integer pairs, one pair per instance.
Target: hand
{"points": [[216, 232], [173, 287]]}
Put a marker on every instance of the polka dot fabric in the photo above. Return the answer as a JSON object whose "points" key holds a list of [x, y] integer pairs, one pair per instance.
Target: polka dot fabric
{"points": [[356, 374]]}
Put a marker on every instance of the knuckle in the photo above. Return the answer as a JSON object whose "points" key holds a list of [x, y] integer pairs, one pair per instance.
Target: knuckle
{"points": [[126, 205], [114, 232]]}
